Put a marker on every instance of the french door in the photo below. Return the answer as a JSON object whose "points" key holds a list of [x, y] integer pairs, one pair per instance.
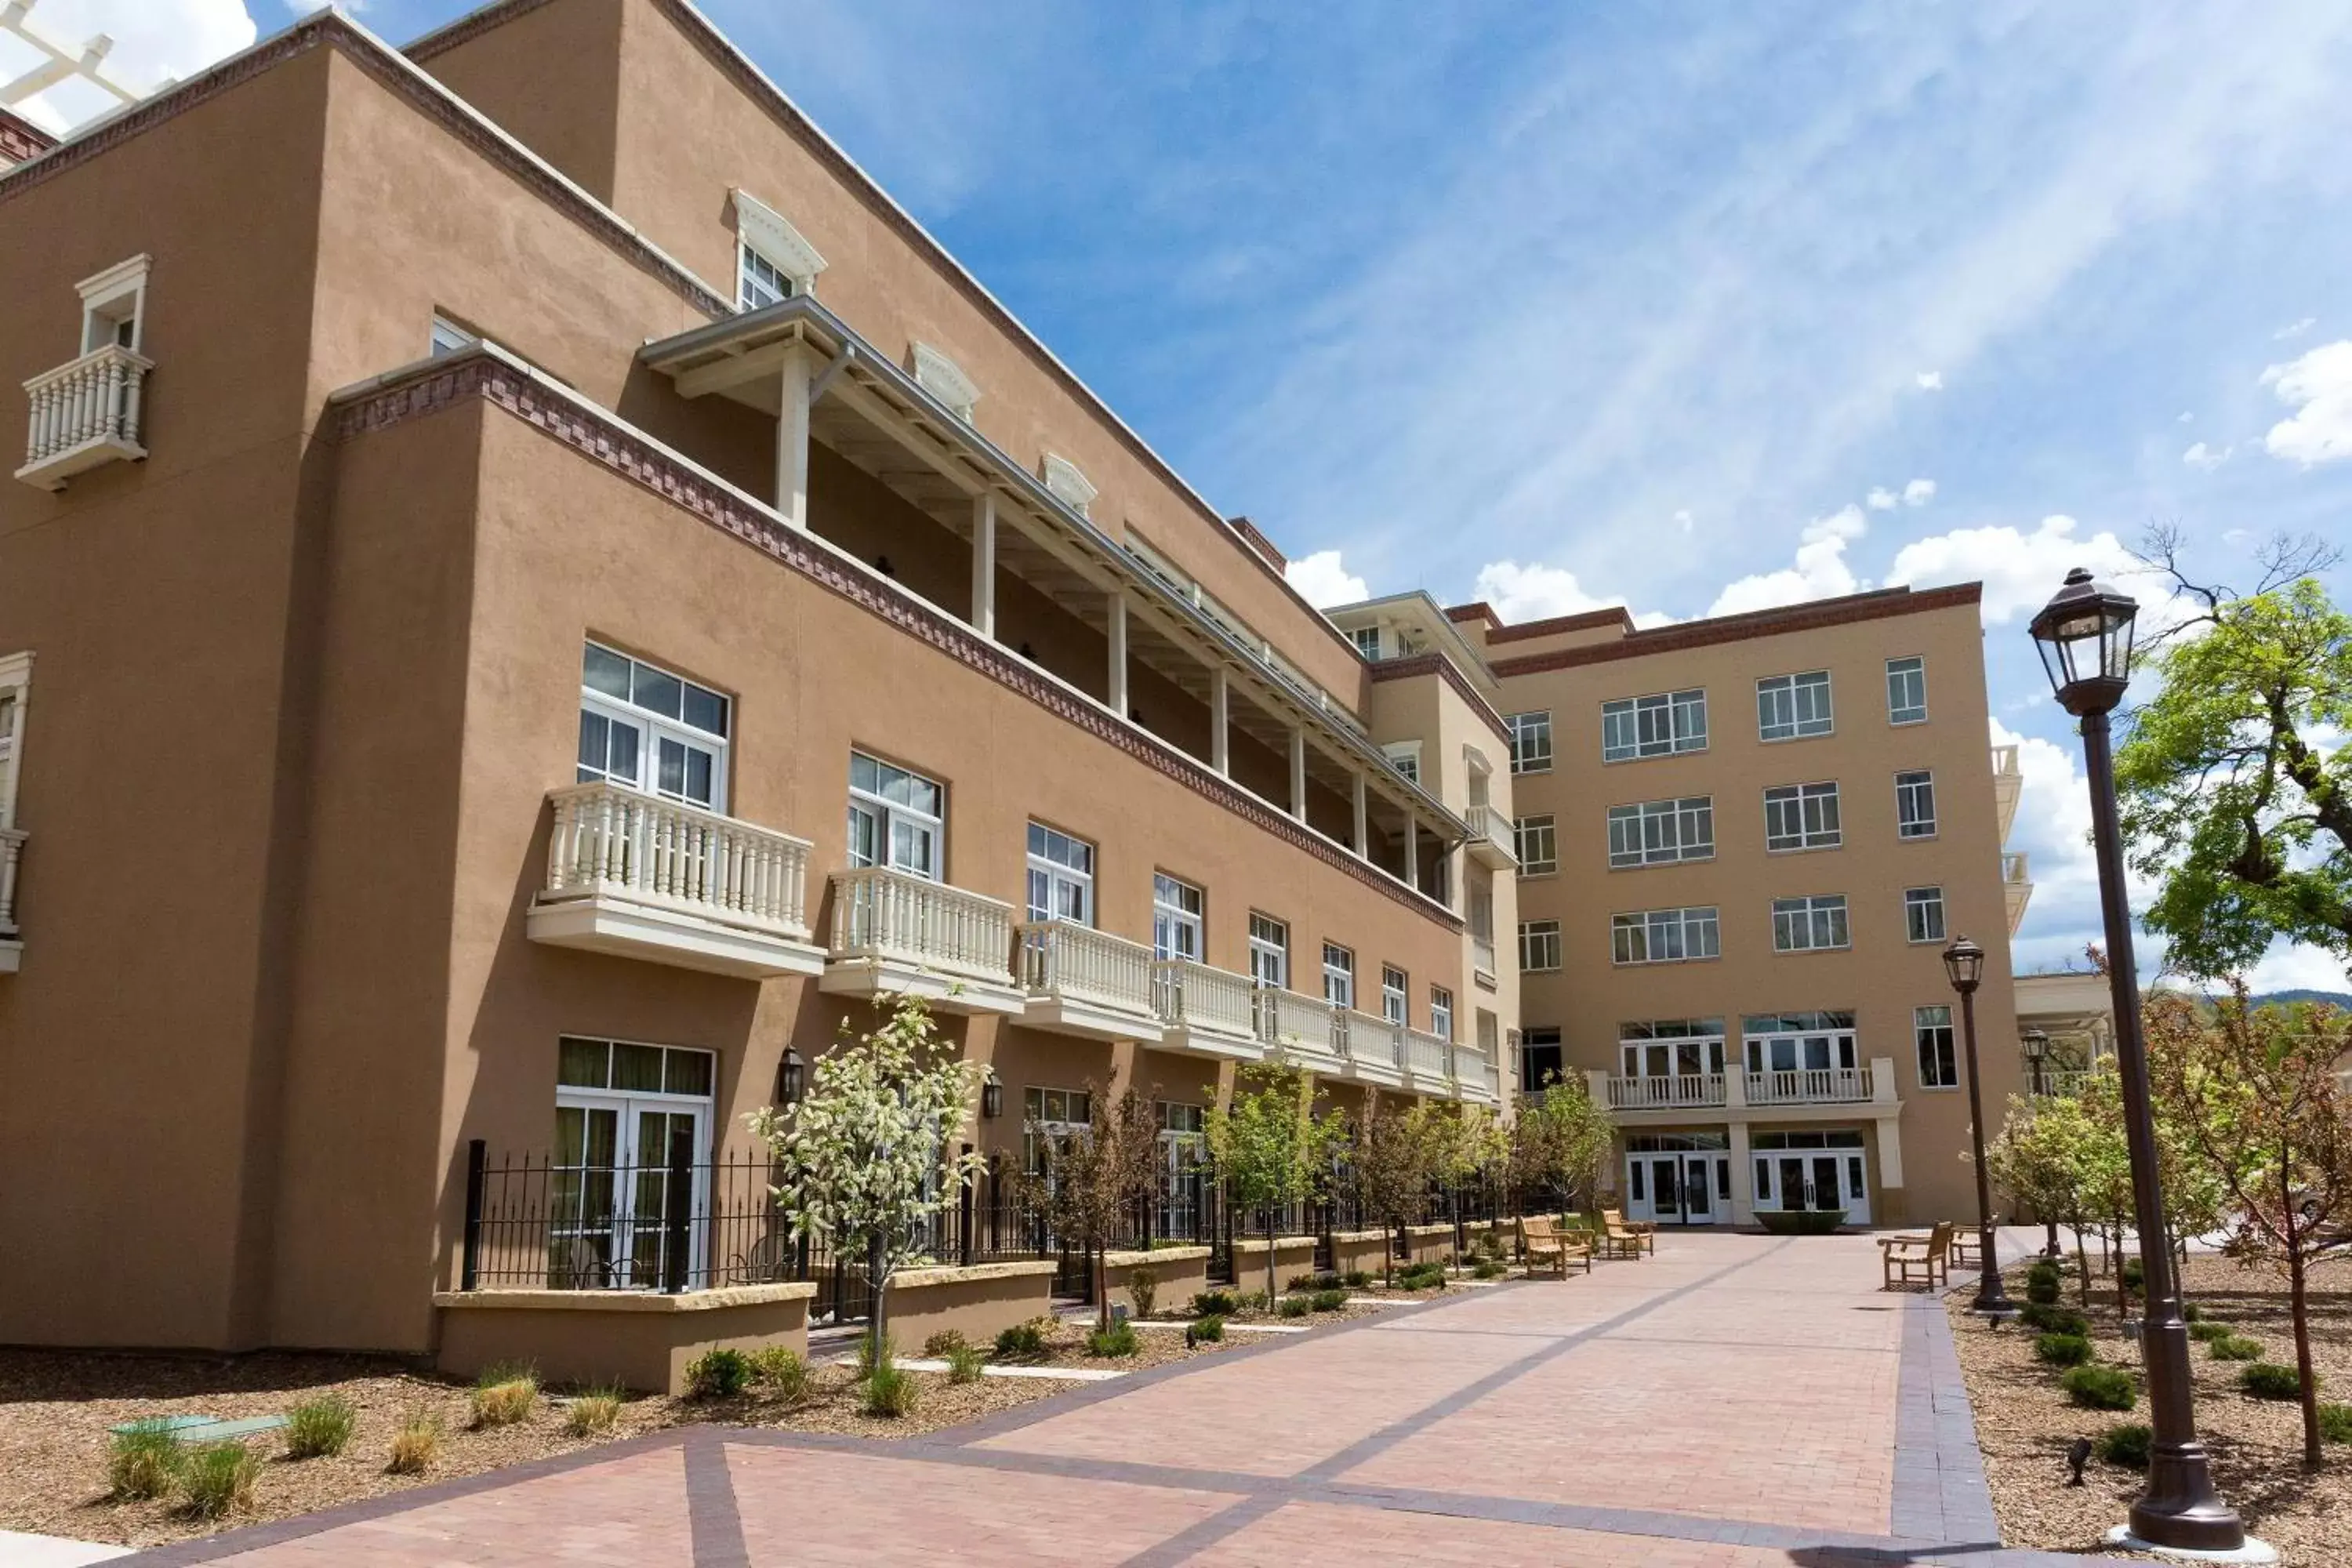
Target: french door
{"points": [[621, 1217], [1679, 1187], [1814, 1179]]}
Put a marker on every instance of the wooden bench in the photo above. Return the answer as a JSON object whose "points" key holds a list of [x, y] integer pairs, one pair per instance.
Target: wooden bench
{"points": [[1922, 1260], [1544, 1245], [1624, 1239], [1967, 1248]]}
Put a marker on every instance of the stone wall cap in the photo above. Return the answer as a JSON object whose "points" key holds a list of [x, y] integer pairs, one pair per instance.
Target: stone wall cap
{"points": [[1155, 1254], [1258, 1244], [957, 1274], [542, 1300]]}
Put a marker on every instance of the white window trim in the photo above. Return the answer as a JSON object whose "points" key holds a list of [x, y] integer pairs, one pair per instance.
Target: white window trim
{"points": [[1808, 842], [1068, 481], [1278, 951], [1551, 753], [1541, 934], [1942, 916], [767, 231], [1918, 1060], [653, 728], [1828, 903], [1059, 874], [944, 379], [1173, 916], [16, 682], [887, 812], [1531, 865], [447, 337], [1340, 975], [1632, 707], [1441, 1012], [1921, 659], [1683, 919], [1399, 994], [100, 290], [1933, 820], [1399, 753], [1828, 685], [1369, 655]]}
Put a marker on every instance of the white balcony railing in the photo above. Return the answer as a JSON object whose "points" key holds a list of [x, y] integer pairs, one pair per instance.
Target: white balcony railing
{"points": [[12, 848], [1469, 1066], [1666, 1090], [892, 917], [613, 842], [1300, 1024], [1367, 1041], [1490, 837], [1198, 999], [1425, 1055], [1076, 962], [1809, 1085], [83, 413]]}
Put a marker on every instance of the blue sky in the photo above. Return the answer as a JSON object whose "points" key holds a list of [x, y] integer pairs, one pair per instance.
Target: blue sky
{"points": [[1694, 306]]}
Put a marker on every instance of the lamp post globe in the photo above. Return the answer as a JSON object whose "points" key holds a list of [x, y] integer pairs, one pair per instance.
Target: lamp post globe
{"points": [[1964, 963], [2084, 638]]}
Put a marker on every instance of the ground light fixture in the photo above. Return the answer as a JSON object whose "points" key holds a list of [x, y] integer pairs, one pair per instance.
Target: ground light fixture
{"points": [[1964, 963], [2084, 638]]}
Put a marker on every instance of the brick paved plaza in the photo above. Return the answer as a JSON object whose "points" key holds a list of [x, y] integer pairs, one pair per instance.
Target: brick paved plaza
{"points": [[1736, 1402]]}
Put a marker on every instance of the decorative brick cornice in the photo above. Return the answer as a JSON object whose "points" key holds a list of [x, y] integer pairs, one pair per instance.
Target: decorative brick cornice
{"points": [[1437, 664], [1582, 621], [603, 438], [20, 138], [405, 81], [1255, 537], [1881, 604]]}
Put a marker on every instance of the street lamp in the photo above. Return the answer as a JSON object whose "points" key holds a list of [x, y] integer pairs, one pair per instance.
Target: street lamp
{"points": [[2037, 1057], [2084, 638], [1964, 965]]}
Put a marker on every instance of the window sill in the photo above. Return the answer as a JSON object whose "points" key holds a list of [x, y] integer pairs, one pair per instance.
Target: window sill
{"points": [[1659, 963], [1785, 740], [1663, 865], [1895, 723], [1803, 848], [1608, 762], [1808, 951], [1902, 837]]}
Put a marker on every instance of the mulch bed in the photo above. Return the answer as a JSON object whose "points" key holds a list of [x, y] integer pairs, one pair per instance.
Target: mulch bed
{"points": [[2025, 1422]]}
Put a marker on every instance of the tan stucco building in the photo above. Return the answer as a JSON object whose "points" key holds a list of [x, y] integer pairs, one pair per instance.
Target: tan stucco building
{"points": [[535, 590]]}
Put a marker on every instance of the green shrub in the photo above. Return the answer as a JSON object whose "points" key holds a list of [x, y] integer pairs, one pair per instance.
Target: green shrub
{"points": [[2335, 1422], [415, 1445], [1142, 1290], [1251, 1301], [1215, 1304], [319, 1428], [1328, 1301], [865, 1353], [2234, 1347], [2049, 1320], [888, 1391], [1299, 1282], [2042, 1284], [1298, 1305], [2126, 1445], [2134, 1273], [594, 1413], [720, 1373], [2208, 1330], [2268, 1380], [505, 1399], [783, 1370], [216, 1478], [1022, 1342], [2062, 1350], [1356, 1279], [1118, 1340], [2190, 1312], [964, 1365], [1206, 1330], [945, 1343], [2099, 1388], [1489, 1268], [143, 1460]]}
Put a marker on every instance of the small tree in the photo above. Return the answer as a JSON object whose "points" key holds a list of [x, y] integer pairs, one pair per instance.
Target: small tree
{"points": [[1560, 1140], [1268, 1144], [1095, 1179], [1466, 1142], [2256, 1093], [861, 1160], [2068, 1160], [1390, 1168]]}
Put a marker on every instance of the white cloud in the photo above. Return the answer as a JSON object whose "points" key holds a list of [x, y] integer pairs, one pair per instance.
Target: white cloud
{"points": [[2020, 571], [1880, 498], [1930, 380], [1324, 581], [2200, 455], [1918, 492], [2186, 417], [2319, 387], [2294, 967], [1821, 571], [2294, 329], [1684, 521], [1535, 592], [154, 40]]}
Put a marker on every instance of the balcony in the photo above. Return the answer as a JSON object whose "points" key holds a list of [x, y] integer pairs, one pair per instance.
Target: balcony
{"points": [[2016, 885], [638, 877], [1427, 1063], [897, 934], [1474, 1077], [12, 848], [1667, 1091], [84, 413], [1810, 1086], [2008, 785], [1665, 1098], [1081, 981], [1205, 1012], [1371, 1047], [1490, 837], [1299, 1028]]}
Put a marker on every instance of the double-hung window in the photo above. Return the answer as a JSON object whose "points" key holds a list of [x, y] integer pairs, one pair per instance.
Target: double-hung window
{"points": [[1906, 690], [1537, 845], [1915, 805], [1656, 726], [1393, 991], [1801, 817], [1531, 742], [646, 729], [1791, 707], [1658, 832], [1176, 919], [1810, 924], [1923, 914], [1339, 975], [1440, 1012], [1405, 757], [1666, 936], [1061, 877], [1539, 946], [1269, 953], [896, 818], [1368, 642], [1939, 1066]]}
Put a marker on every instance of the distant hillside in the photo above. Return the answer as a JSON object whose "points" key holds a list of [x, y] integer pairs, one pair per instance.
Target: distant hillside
{"points": [[2334, 998]]}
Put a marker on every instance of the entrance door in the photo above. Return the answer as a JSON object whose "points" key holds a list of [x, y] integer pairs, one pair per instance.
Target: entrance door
{"points": [[1820, 1181], [620, 1218], [1679, 1188]]}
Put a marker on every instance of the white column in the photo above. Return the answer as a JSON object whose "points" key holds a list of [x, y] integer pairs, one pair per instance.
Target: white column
{"points": [[1364, 841], [1220, 741], [793, 440], [1117, 687], [983, 563], [1299, 774], [1743, 1176], [1411, 851]]}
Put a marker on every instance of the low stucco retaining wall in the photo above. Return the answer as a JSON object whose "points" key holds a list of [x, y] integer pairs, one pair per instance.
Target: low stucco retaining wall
{"points": [[1180, 1273], [977, 1301], [1367, 1250], [1293, 1255], [642, 1340]]}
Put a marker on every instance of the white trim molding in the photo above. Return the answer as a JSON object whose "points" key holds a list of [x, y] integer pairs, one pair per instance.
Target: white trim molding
{"points": [[125, 279], [944, 379], [1068, 481], [767, 231]]}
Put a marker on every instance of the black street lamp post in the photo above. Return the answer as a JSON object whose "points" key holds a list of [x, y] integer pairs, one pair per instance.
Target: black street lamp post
{"points": [[2037, 1056], [2084, 638], [1964, 964]]}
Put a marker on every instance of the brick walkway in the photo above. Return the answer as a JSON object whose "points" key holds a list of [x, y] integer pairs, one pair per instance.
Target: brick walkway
{"points": [[1736, 1402]]}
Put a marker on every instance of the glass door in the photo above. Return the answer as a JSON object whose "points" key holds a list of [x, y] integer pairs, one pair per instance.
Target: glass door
{"points": [[618, 1216], [1698, 1187]]}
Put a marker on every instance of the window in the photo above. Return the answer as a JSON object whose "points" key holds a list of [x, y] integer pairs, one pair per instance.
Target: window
{"points": [[1440, 1012], [1789, 707], [1806, 925], [1068, 482], [1801, 817], [1405, 757], [1054, 1119], [1657, 832], [896, 819], [1915, 805], [1176, 923], [15, 676], [1368, 642], [1665, 936], [1906, 690], [1269, 951], [114, 306], [447, 337], [1392, 994], [625, 1115], [1536, 844], [1932, 1028], [761, 282], [1539, 946], [1540, 1062], [1061, 877], [1531, 742], [645, 729], [1339, 975], [1923, 914], [1655, 726], [773, 262], [944, 379], [1798, 1042]]}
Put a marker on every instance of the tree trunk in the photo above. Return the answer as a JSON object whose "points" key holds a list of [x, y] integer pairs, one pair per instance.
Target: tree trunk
{"points": [[2299, 1305], [1270, 1225], [1101, 1253], [2081, 1269], [874, 1271]]}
